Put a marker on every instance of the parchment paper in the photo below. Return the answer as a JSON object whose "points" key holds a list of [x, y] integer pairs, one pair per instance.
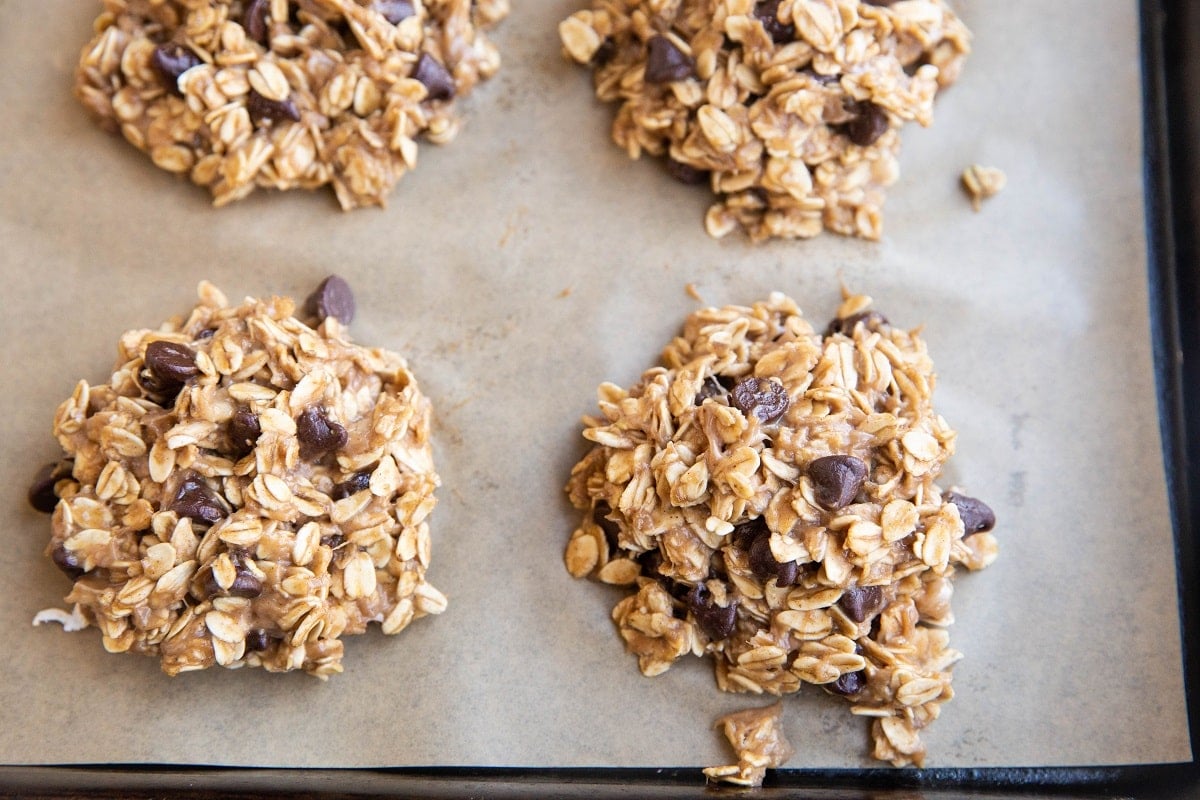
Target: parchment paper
{"points": [[526, 263]]}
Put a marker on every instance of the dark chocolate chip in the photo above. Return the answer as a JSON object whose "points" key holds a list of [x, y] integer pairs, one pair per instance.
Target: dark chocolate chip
{"points": [[713, 386], [352, 485], [318, 434], [604, 53], [764, 566], [41, 492], [171, 60], [254, 20], [395, 11], [171, 362], [437, 79], [764, 398], [666, 63], [767, 12], [976, 516], [685, 173], [245, 584], [258, 640], [195, 500], [837, 480], [869, 123], [207, 333], [333, 541], [883, 3], [871, 320], [244, 430], [651, 562], [716, 621], [848, 683], [332, 298], [65, 560], [262, 109], [861, 602], [744, 533]]}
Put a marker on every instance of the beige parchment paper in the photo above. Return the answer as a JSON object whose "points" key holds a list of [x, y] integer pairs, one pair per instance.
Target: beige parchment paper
{"points": [[526, 263]]}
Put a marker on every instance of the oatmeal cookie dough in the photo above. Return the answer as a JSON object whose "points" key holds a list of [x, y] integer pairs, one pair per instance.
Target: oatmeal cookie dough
{"points": [[769, 497], [286, 94], [245, 490], [789, 110]]}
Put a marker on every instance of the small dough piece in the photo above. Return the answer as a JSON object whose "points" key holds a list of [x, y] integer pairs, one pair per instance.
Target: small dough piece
{"points": [[757, 737], [789, 111], [980, 183], [768, 497], [286, 94], [244, 491]]}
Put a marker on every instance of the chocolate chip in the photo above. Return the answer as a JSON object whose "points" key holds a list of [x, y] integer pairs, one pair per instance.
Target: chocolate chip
{"points": [[195, 500], [884, 3], [262, 109], [848, 683], [976, 516], [258, 640], [871, 320], [651, 562], [767, 12], [333, 541], [666, 63], [837, 480], [861, 602], [744, 533], [869, 123], [172, 60], [765, 567], [685, 173], [245, 584], [332, 298], [352, 485], [612, 531], [254, 20], [765, 399], [41, 492], [395, 11], [171, 362], [65, 560], [604, 53], [318, 434], [713, 386], [437, 79], [244, 430], [716, 621]]}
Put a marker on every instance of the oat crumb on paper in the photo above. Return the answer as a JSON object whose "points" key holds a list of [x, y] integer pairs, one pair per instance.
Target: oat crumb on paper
{"points": [[790, 111], [286, 94], [981, 182], [756, 735], [248, 487], [767, 496]]}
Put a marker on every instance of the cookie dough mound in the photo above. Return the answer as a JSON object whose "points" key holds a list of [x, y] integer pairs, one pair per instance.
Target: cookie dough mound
{"points": [[768, 495], [790, 110], [285, 94], [247, 489]]}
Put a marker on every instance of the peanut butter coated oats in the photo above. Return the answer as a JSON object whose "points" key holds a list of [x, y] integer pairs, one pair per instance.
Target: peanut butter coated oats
{"points": [[789, 110], [245, 490], [286, 94], [769, 497]]}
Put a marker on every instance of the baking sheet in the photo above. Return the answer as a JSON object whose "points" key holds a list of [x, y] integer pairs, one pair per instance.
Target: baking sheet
{"points": [[530, 260]]}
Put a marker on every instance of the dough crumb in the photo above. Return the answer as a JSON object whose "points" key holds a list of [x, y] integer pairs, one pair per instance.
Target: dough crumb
{"points": [[982, 182], [757, 737]]}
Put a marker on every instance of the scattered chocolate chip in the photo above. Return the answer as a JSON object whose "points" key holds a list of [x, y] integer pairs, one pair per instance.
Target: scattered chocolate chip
{"points": [[869, 123], [333, 541], [604, 53], [437, 79], [685, 173], [254, 20], [744, 533], [764, 566], [714, 620], [871, 320], [207, 333], [171, 60], [666, 63], [713, 386], [244, 430], [65, 560], [195, 500], [848, 683], [262, 109], [258, 640], [861, 602], [612, 531], [976, 516], [318, 434], [171, 362], [767, 12], [352, 485], [245, 584], [395, 11], [41, 492], [332, 298], [837, 480], [764, 398], [652, 562]]}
